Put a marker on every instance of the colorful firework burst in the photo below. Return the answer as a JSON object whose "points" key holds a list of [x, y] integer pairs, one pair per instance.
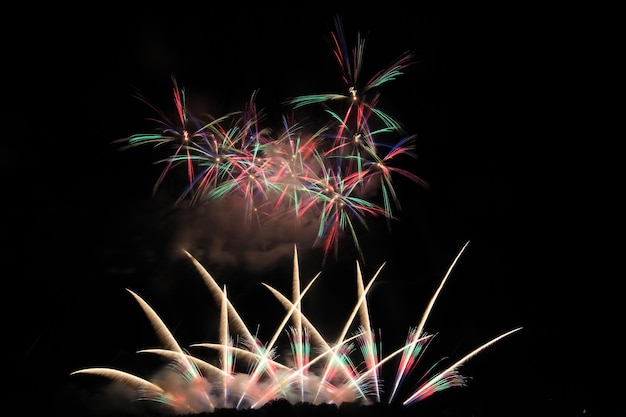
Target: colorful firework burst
{"points": [[340, 173]]}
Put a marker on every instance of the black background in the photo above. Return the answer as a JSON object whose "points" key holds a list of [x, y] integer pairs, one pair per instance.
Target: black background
{"points": [[485, 98]]}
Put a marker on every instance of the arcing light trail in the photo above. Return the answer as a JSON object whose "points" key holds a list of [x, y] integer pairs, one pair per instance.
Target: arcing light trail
{"points": [[317, 372], [332, 172]]}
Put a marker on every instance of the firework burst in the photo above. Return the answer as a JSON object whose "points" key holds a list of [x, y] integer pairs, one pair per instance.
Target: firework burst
{"points": [[340, 172]]}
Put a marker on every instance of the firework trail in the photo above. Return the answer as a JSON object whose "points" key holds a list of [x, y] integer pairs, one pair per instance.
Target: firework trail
{"points": [[318, 372], [339, 172]]}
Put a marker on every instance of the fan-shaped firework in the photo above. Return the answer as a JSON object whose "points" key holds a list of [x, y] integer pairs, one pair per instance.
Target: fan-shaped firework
{"points": [[317, 372]]}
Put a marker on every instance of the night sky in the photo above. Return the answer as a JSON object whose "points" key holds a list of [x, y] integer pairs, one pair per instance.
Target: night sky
{"points": [[83, 224]]}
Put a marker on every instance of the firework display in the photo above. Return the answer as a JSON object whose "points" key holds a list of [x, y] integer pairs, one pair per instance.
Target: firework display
{"points": [[248, 373], [338, 171]]}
